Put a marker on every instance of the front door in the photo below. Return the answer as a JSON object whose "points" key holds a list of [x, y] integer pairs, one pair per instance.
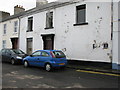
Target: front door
{"points": [[48, 42], [29, 45]]}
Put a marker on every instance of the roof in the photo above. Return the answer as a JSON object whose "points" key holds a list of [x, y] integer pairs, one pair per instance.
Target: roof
{"points": [[44, 7], [48, 50]]}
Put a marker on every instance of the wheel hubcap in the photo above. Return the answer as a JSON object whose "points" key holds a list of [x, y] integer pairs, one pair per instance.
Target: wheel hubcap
{"points": [[13, 62], [48, 67], [25, 64]]}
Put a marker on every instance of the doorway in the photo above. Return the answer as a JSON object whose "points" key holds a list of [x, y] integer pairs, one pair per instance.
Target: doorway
{"points": [[48, 41], [14, 43], [29, 45]]}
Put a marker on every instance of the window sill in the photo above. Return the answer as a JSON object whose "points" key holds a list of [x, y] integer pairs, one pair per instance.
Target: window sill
{"points": [[86, 23], [29, 31], [49, 28]]}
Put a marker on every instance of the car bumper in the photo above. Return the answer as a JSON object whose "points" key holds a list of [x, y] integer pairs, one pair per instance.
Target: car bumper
{"points": [[59, 65]]}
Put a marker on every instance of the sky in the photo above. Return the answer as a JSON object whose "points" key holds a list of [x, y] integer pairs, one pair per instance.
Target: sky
{"points": [[8, 5]]}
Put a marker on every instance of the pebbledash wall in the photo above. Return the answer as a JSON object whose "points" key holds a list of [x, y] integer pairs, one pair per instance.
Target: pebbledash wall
{"points": [[77, 41]]}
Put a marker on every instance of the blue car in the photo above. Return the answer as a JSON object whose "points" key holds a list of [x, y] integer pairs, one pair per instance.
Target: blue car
{"points": [[48, 59]]}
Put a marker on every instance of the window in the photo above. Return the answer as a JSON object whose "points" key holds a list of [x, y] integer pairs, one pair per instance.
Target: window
{"points": [[30, 24], [45, 54], [49, 20], [81, 15], [15, 26], [4, 44], [36, 54], [5, 28], [59, 54]]}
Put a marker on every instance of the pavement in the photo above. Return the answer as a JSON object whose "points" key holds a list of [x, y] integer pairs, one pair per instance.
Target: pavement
{"points": [[92, 66]]}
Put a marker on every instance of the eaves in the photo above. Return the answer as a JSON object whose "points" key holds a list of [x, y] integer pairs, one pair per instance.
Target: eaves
{"points": [[46, 7]]}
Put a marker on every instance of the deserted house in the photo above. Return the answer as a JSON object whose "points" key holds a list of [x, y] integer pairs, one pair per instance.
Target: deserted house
{"points": [[86, 30]]}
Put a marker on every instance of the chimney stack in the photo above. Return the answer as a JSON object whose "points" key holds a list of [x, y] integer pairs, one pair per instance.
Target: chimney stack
{"points": [[18, 9], [4, 15], [41, 2]]}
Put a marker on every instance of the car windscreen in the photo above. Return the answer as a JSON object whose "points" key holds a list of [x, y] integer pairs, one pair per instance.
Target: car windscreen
{"points": [[17, 51], [59, 54]]}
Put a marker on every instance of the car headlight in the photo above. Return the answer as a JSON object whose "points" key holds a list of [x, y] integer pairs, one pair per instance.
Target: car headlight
{"points": [[19, 57]]}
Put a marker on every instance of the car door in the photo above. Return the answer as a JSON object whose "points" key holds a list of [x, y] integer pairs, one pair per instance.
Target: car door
{"points": [[8, 55], [33, 60], [44, 57], [3, 54]]}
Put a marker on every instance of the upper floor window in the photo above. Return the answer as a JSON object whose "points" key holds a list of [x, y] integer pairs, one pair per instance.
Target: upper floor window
{"points": [[4, 28], [49, 20], [30, 24], [81, 15], [4, 44], [15, 26]]}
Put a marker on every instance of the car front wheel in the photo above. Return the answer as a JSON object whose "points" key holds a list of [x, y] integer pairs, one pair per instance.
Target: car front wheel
{"points": [[26, 64], [12, 61], [48, 67]]}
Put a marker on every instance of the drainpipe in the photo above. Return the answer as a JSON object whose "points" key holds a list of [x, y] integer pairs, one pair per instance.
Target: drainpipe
{"points": [[112, 31], [19, 33]]}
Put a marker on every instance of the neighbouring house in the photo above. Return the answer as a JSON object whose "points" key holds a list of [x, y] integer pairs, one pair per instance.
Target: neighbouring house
{"points": [[86, 30], [9, 29]]}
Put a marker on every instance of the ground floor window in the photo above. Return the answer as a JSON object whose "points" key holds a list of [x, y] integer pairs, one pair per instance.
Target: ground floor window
{"points": [[4, 44]]}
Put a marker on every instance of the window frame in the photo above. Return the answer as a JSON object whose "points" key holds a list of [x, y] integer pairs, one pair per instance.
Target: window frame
{"points": [[49, 19], [4, 29], [30, 24], [15, 26], [80, 7], [4, 44]]}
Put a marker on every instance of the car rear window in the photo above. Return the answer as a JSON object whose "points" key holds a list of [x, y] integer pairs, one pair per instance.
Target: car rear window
{"points": [[59, 54]]}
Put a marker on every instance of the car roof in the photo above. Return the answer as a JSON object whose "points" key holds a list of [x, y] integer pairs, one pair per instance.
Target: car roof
{"points": [[48, 50]]}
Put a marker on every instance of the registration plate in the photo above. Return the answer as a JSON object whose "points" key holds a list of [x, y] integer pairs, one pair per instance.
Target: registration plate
{"points": [[62, 64]]}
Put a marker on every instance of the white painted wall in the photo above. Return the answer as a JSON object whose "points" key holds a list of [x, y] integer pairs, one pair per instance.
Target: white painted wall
{"points": [[78, 40]]}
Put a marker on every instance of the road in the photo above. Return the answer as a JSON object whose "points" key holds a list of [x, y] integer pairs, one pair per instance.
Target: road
{"points": [[16, 76]]}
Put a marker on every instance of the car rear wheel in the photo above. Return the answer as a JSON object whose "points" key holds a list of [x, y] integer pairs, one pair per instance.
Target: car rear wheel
{"points": [[26, 64], [12, 61], [48, 67]]}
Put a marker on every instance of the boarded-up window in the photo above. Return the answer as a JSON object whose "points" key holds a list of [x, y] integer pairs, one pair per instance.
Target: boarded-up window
{"points": [[49, 20], [30, 24], [81, 14]]}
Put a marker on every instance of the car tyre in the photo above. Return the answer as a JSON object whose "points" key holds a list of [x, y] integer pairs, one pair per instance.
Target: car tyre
{"points": [[48, 67], [26, 64], [13, 61]]}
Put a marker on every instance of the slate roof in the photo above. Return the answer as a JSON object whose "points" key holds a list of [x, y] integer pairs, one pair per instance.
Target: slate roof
{"points": [[45, 7]]}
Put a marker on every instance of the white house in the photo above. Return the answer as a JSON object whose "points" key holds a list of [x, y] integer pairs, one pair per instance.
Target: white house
{"points": [[84, 29], [9, 29]]}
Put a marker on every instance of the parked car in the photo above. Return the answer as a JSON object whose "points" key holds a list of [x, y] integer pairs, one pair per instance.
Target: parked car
{"points": [[48, 59], [13, 56]]}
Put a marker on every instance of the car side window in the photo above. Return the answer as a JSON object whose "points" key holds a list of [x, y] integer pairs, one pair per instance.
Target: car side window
{"points": [[8, 51], [3, 51], [35, 54], [45, 54]]}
